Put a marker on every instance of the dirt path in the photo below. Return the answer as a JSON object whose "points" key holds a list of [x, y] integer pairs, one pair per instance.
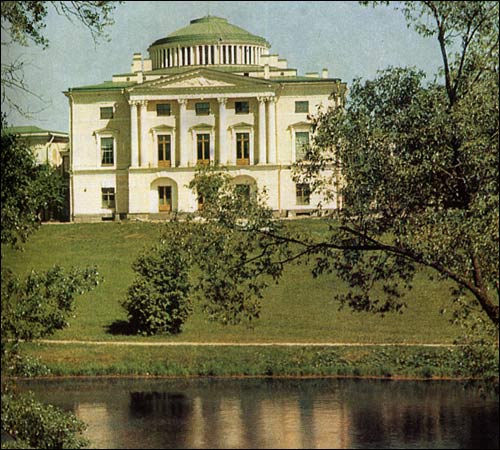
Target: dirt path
{"points": [[241, 344]]}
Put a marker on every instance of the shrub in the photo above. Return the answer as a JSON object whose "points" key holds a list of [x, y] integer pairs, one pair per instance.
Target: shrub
{"points": [[32, 424], [157, 301]]}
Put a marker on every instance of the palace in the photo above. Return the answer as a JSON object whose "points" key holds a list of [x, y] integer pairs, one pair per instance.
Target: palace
{"points": [[209, 93]]}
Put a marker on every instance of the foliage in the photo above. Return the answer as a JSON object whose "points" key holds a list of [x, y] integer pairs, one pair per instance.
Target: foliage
{"points": [[24, 22], [412, 361], [229, 258], [27, 188], [218, 249], [158, 300], [37, 306], [34, 425], [419, 167]]}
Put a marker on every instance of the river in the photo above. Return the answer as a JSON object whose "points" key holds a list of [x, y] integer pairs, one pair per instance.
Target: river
{"points": [[275, 413]]}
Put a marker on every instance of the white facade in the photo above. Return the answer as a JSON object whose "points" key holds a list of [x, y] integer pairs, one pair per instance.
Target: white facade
{"points": [[136, 141]]}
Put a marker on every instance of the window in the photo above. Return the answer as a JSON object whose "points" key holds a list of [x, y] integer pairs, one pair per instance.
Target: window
{"points": [[242, 191], [203, 148], [107, 156], [241, 107], [164, 150], [108, 198], [163, 109], [165, 198], [301, 144], [202, 109], [242, 149], [301, 107], [302, 194], [107, 112]]}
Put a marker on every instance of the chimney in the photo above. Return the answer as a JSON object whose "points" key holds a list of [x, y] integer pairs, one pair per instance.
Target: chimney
{"points": [[324, 73], [136, 63]]}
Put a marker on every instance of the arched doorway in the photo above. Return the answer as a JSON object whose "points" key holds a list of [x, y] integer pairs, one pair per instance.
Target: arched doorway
{"points": [[245, 185], [164, 195]]}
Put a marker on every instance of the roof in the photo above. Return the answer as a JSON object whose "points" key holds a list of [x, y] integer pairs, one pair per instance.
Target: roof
{"points": [[299, 79], [211, 30], [106, 85], [33, 131]]}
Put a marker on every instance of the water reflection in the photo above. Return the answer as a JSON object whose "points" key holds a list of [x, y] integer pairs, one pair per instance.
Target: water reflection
{"points": [[277, 413]]}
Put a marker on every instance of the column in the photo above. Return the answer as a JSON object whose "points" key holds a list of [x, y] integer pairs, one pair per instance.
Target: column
{"points": [[193, 56], [184, 157], [262, 130], [223, 154], [272, 130], [134, 147], [251, 155], [217, 54], [143, 148]]}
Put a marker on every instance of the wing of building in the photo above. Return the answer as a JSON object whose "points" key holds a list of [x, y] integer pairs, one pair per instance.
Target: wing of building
{"points": [[209, 93]]}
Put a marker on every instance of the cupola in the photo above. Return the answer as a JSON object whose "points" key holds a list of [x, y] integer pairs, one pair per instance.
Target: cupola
{"points": [[208, 41]]}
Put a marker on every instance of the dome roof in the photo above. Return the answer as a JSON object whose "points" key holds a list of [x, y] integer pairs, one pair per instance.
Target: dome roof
{"points": [[211, 30]]}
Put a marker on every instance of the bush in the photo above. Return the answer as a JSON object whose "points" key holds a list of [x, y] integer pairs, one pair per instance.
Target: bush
{"points": [[157, 301], [32, 424]]}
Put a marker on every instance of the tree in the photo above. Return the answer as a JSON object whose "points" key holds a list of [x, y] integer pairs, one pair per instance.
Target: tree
{"points": [[419, 180], [23, 22], [211, 259], [39, 305], [420, 164], [157, 301], [35, 307], [27, 188]]}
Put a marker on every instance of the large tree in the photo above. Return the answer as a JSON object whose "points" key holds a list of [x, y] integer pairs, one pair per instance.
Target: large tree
{"points": [[40, 304], [24, 23], [418, 165]]}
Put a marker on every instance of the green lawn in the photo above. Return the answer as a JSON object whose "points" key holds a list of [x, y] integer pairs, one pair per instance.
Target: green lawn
{"points": [[299, 309]]}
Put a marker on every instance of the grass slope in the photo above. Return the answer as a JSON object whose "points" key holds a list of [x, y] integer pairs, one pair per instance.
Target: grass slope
{"points": [[298, 309]]}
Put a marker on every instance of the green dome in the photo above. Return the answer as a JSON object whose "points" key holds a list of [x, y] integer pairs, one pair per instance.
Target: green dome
{"points": [[211, 30]]}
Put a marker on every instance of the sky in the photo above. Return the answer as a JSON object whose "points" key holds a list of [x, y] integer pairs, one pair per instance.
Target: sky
{"points": [[348, 39]]}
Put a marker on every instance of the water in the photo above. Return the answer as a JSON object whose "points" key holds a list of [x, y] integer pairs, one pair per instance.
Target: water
{"points": [[276, 413]]}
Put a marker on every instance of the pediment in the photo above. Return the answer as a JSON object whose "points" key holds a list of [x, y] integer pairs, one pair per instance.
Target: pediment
{"points": [[200, 81], [203, 80], [241, 125], [201, 126], [161, 128], [105, 130], [299, 125]]}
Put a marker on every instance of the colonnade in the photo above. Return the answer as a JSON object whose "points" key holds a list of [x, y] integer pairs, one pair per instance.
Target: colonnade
{"points": [[198, 55], [266, 133]]}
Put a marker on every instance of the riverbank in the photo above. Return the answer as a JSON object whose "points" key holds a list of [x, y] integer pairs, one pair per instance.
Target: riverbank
{"points": [[397, 361], [299, 311]]}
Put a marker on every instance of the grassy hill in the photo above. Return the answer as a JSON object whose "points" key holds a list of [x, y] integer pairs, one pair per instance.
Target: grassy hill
{"points": [[298, 309]]}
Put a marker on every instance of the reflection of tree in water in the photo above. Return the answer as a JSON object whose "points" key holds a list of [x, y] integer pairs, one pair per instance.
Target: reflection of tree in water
{"points": [[410, 413], [169, 405], [164, 415]]}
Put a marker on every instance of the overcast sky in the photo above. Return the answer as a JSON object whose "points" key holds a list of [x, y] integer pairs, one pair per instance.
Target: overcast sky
{"points": [[348, 39]]}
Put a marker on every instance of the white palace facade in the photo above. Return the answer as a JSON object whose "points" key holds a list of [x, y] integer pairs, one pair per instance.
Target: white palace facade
{"points": [[209, 93]]}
